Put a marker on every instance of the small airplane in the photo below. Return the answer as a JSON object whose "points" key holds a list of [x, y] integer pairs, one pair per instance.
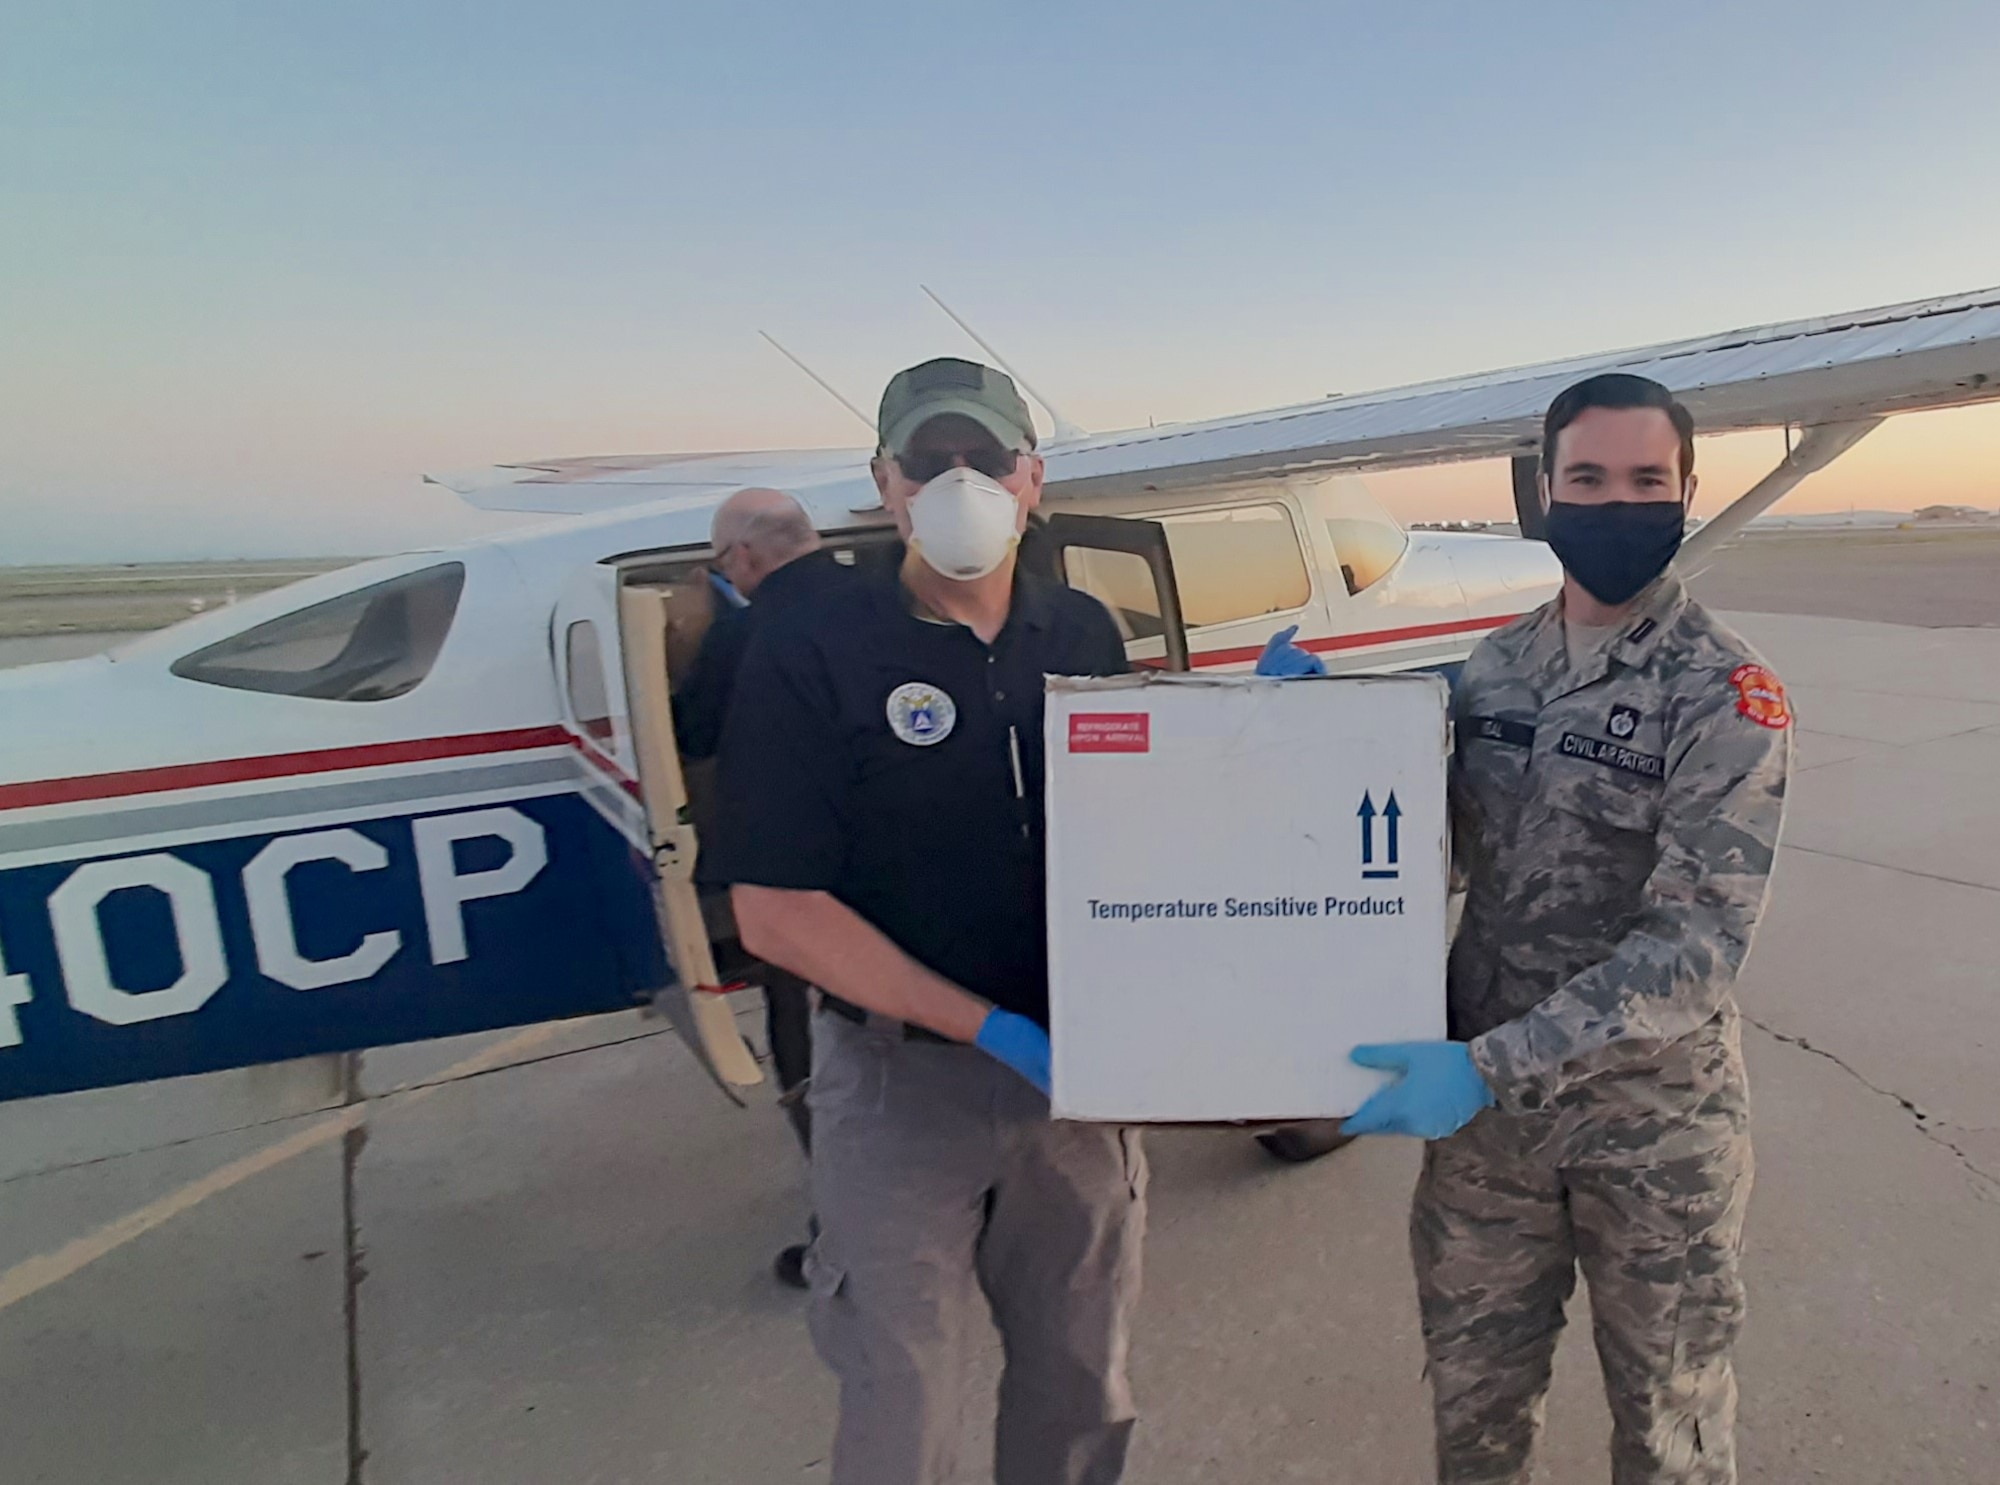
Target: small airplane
{"points": [[438, 793]]}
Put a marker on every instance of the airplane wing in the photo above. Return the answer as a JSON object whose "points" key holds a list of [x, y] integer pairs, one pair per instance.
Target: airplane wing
{"points": [[1927, 354], [1838, 369], [579, 486]]}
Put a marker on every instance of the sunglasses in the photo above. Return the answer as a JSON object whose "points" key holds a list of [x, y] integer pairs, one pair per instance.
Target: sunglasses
{"points": [[992, 461]]}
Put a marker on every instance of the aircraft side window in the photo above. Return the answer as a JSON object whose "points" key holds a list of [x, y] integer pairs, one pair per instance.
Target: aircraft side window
{"points": [[1239, 563], [1365, 537], [372, 644], [585, 664]]}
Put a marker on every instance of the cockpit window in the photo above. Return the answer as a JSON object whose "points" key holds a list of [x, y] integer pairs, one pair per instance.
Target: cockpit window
{"points": [[372, 644], [1366, 537]]}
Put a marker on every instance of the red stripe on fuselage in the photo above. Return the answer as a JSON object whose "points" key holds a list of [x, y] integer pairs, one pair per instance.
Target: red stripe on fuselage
{"points": [[204, 775], [1207, 658], [605, 764], [273, 766]]}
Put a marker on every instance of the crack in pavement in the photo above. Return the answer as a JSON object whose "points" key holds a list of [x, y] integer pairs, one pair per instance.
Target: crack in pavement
{"points": [[355, 1265], [1905, 871], [1988, 1183]]}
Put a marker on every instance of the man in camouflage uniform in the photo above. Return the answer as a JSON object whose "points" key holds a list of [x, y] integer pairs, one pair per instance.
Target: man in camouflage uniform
{"points": [[1617, 792]]}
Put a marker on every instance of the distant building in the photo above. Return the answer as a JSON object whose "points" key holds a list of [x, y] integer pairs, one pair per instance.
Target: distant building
{"points": [[1955, 514]]}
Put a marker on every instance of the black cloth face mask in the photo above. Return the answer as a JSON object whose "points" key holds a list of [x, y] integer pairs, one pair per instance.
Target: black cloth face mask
{"points": [[1615, 549]]}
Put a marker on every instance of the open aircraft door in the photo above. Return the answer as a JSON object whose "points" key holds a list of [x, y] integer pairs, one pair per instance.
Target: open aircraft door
{"points": [[609, 645], [1124, 564]]}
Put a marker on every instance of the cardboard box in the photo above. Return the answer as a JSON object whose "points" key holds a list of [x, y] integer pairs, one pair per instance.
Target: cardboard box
{"points": [[1247, 879]]}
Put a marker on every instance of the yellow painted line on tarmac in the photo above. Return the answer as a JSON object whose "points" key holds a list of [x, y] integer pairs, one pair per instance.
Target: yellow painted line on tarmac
{"points": [[32, 1275], [494, 1056]]}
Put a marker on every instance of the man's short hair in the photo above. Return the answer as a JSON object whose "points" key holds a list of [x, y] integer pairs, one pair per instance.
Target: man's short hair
{"points": [[771, 522], [1620, 390]]}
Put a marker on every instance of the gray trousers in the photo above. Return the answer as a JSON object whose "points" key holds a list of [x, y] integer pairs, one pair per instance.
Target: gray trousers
{"points": [[939, 1177], [1499, 1230]]}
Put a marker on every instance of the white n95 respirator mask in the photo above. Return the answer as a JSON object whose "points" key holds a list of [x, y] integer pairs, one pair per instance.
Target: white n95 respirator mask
{"points": [[964, 524]]}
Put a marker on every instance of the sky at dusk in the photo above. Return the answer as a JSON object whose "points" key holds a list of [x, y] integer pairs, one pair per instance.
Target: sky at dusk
{"points": [[261, 266]]}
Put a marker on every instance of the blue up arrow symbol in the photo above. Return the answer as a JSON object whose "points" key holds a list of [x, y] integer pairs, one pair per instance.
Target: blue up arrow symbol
{"points": [[1392, 814]]}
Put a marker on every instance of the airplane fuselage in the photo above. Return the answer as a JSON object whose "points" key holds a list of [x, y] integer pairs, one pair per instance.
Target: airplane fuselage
{"points": [[403, 800]]}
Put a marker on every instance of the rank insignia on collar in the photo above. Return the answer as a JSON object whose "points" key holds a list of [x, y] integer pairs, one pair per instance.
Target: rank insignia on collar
{"points": [[1623, 723], [1641, 629]]}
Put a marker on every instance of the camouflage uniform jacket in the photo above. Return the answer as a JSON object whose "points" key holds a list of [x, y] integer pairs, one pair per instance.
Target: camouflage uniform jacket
{"points": [[1616, 826]]}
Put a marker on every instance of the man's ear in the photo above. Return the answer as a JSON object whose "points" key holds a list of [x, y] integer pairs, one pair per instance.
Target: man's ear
{"points": [[1687, 496], [1542, 489], [879, 467], [1031, 497]]}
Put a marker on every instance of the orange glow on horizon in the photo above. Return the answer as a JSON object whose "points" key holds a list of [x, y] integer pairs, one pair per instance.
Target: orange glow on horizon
{"points": [[1935, 458]]}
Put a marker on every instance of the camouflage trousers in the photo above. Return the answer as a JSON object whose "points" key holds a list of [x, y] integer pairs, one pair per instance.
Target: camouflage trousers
{"points": [[1498, 1234]]}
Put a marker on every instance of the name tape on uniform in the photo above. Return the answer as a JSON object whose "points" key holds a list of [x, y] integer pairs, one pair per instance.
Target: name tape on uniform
{"points": [[1502, 730], [1611, 755]]}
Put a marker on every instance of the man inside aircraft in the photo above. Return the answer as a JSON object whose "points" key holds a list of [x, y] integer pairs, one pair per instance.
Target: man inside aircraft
{"points": [[1617, 793], [882, 798], [768, 550]]}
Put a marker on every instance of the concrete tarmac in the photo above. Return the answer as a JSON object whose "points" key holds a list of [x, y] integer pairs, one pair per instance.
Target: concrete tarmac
{"points": [[1942, 577], [563, 1247]]}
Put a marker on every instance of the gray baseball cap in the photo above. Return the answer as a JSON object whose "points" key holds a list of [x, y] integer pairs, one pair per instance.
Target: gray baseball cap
{"points": [[950, 385]]}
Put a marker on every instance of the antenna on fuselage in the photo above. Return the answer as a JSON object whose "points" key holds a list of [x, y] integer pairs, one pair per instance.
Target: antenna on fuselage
{"points": [[824, 385], [1064, 428]]}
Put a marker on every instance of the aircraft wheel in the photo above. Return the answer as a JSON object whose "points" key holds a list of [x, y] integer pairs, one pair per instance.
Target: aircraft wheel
{"points": [[1298, 1143]]}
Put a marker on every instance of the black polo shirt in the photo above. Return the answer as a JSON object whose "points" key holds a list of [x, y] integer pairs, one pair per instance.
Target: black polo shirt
{"points": [[701, 705], [871, 754]]}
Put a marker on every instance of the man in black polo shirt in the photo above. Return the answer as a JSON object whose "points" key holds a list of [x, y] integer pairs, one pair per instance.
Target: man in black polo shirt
{"points": [[882, 807], [769, 550]]}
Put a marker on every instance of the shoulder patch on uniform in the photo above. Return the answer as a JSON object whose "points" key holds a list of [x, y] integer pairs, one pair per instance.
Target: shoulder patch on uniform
{"points": [[1761, 697], [920, 714]]}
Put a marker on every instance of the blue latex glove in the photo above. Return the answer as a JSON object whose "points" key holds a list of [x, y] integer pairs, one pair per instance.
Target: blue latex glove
{"points": [[1437, 1094], [1017, 1042], [1283, 658]]}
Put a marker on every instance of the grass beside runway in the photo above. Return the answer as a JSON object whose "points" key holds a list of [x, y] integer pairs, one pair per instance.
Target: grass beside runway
{"points": [[1936, 578], [48, 601]]}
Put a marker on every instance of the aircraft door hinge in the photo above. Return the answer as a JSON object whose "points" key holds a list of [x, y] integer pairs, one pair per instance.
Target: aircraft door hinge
{"points": [[674, 851]]}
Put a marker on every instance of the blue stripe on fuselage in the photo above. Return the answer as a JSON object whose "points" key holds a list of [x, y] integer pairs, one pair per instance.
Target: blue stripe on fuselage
{"points": [[582, 936]]}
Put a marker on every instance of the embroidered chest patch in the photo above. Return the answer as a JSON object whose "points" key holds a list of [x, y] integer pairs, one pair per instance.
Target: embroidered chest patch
{"points": [[1623, 722], [921, 715]]}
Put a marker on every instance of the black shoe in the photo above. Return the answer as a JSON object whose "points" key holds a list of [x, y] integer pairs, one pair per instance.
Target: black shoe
{"points": [[790, 1266]]}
